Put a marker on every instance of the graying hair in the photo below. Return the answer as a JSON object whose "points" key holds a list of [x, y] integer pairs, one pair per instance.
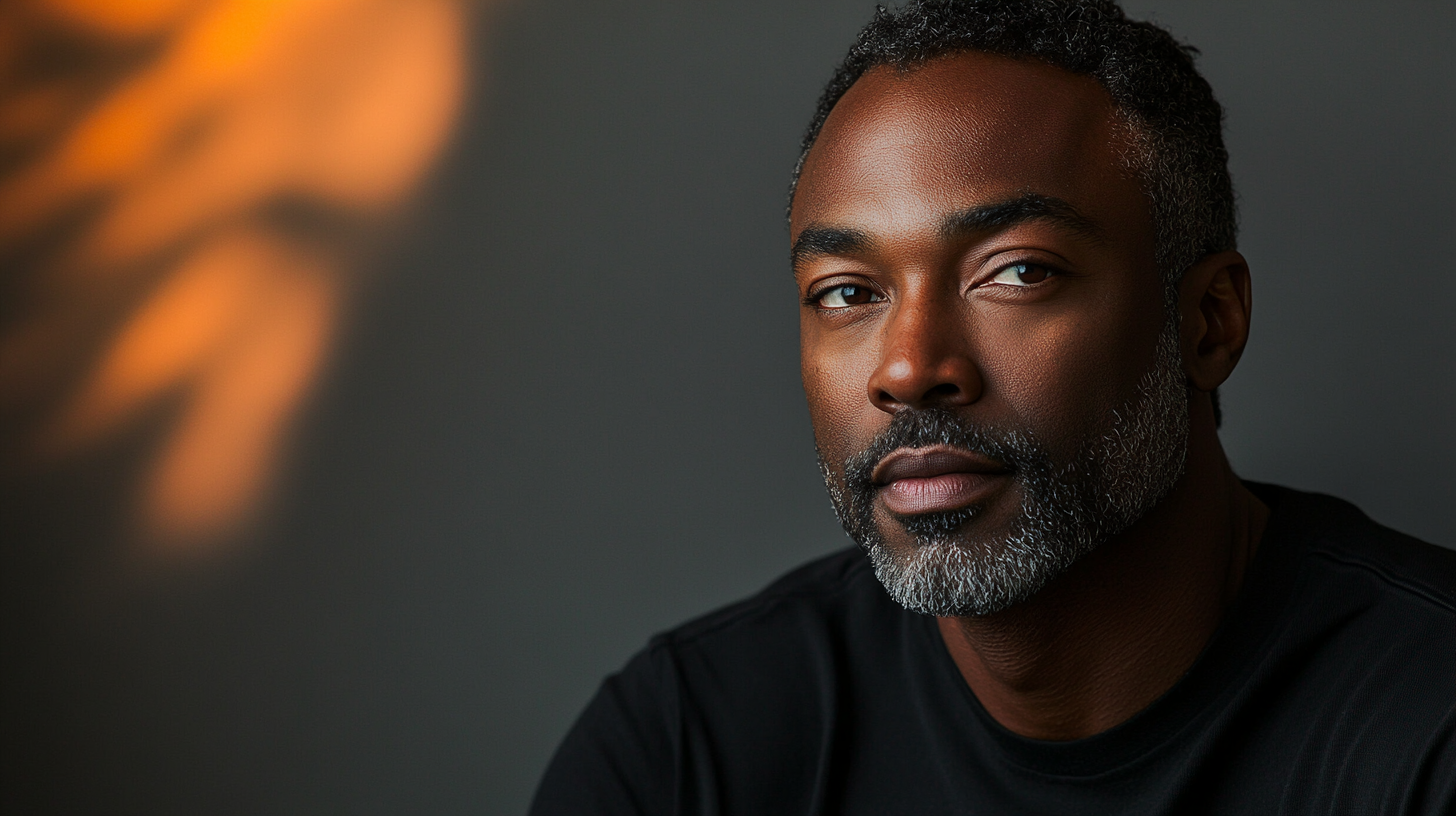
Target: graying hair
{"points": [[1067, 509]]}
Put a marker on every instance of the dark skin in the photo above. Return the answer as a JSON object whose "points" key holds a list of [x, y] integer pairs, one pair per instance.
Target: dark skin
{"points": [[967, 235]]}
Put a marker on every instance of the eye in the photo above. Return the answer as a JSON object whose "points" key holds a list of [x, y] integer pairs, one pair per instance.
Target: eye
{"points": [[841, 297], [1022, 274]]}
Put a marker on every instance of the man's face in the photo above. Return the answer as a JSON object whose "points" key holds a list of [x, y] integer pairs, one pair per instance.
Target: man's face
{"points": [[992, 374]]}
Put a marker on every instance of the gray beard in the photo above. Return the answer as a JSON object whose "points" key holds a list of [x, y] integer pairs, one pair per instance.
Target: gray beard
{"points": [[1067, 509]]}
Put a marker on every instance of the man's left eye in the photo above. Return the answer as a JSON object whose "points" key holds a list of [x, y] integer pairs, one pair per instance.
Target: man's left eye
{"points": [[841, 297], [1021, 275]]}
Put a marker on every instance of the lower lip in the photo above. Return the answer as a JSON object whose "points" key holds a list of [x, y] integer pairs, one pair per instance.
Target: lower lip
{"points": [[948, 491]]}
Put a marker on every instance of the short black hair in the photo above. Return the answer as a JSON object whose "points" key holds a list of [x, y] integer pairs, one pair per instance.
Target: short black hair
{"points": [[1169, 108], [1175, 123]]}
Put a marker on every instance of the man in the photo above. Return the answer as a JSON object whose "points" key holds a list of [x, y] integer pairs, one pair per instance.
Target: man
{"points": [[1013, 236]]}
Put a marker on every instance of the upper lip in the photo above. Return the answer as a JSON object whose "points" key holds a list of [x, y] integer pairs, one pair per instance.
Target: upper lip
{"points": [[937, 460]]}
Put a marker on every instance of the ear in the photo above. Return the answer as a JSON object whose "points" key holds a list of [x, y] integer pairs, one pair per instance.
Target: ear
{"points": [[1215, 300]]}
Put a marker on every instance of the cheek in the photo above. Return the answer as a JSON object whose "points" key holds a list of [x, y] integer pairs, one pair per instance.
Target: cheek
{"points": [[836, 375], [1063, 375]]}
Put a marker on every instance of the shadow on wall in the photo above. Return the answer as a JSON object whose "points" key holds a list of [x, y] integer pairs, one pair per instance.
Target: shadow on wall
{"points": [[188, 189]]}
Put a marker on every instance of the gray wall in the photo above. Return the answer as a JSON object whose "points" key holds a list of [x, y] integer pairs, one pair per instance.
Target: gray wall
{"points": [[568, 413]]}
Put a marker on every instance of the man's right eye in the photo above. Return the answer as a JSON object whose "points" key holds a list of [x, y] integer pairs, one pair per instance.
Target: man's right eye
{"points": [[841, 297]]}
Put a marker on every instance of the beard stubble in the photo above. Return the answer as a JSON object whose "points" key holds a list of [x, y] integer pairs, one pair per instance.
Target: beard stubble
{"points": [[1118, 473]]}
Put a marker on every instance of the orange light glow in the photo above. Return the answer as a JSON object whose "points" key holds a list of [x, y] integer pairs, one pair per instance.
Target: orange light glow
{"points": [[173, 283], [217, 462], [209, 300], [120, 18]]}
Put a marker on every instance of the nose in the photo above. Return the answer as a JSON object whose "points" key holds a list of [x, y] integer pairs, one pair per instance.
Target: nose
{"points": [[925, 361]]}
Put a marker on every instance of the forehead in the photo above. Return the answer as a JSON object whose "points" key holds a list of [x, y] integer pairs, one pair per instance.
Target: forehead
{"points": [[963, 130]]}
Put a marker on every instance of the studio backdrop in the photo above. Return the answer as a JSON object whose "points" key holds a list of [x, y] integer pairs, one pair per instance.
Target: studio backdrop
{"points": [[377, 375]]}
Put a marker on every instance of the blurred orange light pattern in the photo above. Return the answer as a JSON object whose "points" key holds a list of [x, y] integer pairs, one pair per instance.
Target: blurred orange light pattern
{"points": [[187, 207]]}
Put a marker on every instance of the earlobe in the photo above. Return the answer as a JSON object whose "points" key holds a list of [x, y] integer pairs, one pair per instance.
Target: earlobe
{"points": [[1215, 300]]}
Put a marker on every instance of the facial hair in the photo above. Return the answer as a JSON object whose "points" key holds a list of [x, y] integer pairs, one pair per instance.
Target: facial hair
{"points": [[1067, 509]]}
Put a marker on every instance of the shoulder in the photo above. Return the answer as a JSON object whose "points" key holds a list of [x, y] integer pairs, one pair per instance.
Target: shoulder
{"points": [[1362, 663], [1373, 602], [778, 663], [820, 590], [1338, 537], [711, 688], [775, 659], [806, 631]]}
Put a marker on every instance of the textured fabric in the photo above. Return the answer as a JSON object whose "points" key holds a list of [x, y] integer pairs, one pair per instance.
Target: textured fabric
{"points": [[1330, 688]]}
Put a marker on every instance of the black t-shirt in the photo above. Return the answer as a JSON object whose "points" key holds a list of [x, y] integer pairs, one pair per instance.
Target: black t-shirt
{"points": [[1329, 688]]}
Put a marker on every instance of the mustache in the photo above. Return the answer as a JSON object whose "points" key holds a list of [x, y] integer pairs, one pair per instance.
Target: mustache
{"points": [[920, 428]]}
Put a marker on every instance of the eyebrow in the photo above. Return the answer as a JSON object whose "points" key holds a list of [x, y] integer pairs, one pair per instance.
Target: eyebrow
{"points": [[1025, 207], [816, 242]]}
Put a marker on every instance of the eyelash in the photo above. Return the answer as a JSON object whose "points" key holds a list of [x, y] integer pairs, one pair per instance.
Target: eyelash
{"points": [[816, 299], [1049, 270]]}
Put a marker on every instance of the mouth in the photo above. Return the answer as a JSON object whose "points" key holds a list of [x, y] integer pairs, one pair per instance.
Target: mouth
{"points": [[912, 481]]}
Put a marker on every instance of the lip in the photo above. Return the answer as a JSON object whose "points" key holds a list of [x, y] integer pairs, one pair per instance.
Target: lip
{"points": [[935, 479]]}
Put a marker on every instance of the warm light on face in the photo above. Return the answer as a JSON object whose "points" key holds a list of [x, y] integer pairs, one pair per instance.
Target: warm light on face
{"points": [[157, 271]]}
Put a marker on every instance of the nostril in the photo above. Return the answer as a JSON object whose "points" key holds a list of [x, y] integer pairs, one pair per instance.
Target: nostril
{"points": [[943, 391]]}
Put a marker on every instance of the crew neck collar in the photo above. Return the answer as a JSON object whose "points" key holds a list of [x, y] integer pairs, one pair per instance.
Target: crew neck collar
{"points": [[1208, 687]]}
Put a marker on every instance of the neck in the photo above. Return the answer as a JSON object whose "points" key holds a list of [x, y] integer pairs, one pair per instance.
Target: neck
{"points": [[1121, 626]]}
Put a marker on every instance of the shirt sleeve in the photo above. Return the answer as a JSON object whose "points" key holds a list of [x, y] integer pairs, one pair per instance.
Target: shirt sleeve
{"points": [[620, 756]]}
